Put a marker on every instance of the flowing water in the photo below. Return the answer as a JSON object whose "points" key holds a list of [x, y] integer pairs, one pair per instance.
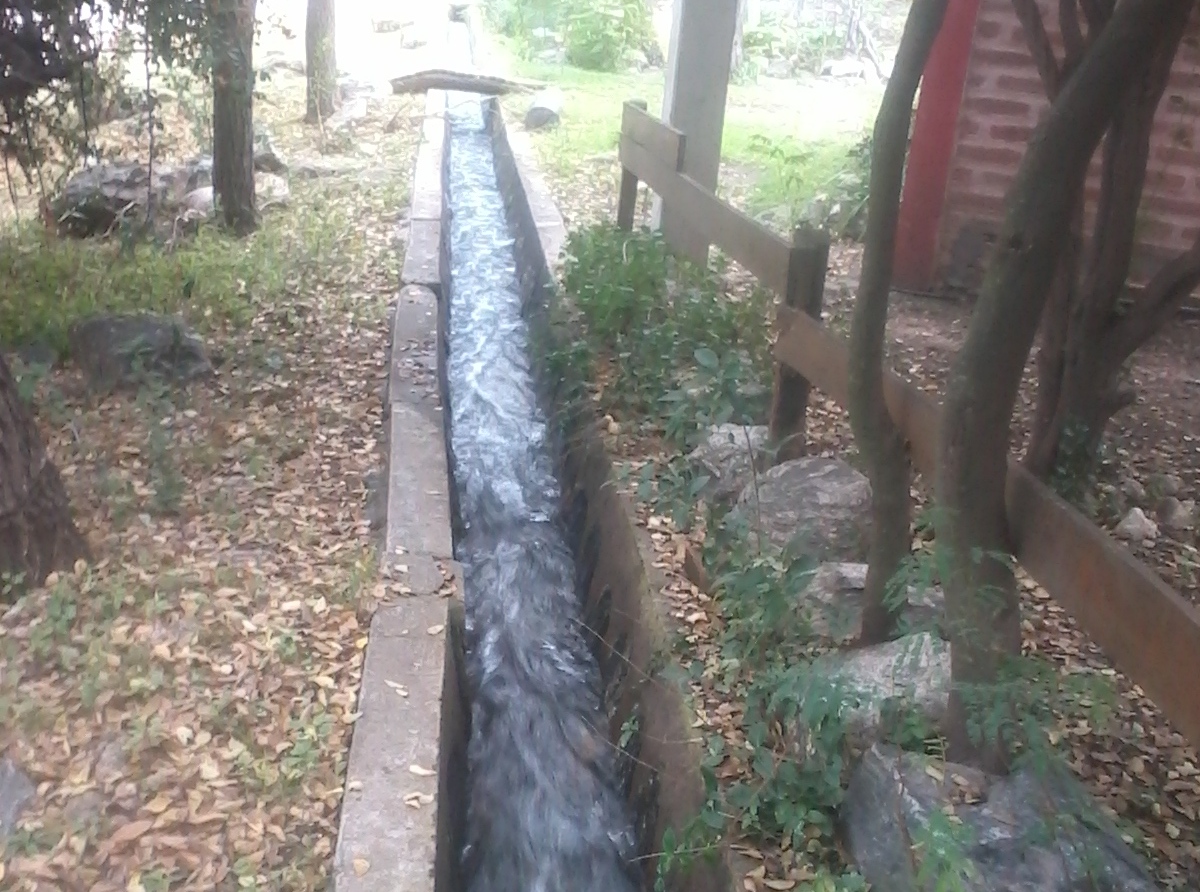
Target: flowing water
{"points": [[543, 813]]}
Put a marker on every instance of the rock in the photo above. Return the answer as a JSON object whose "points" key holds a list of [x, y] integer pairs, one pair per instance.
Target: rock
{"points": [[1018, 832], [819, 507], [726, 456], [1136, 527], [1176, 516], [266, 156], [834, 599], [113, 350], [910, 674], [1133, 491], [386, 26], [15, 792], [555, 55], [316, 168], [545, 110], [852, 69], [271, 191], [376, 500], [780, 68], [96, 198], [1165, 485], [276, 62], [200, 200]]}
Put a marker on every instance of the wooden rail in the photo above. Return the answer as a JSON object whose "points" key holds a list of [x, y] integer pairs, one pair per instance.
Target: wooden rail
{"points": [[1149, 631]]}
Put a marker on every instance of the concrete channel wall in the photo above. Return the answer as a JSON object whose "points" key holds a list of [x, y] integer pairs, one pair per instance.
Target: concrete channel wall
{"points": [[403, 813]]}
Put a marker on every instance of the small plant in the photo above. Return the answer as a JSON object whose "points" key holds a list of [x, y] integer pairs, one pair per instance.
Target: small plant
{"points": [[601, 34]]}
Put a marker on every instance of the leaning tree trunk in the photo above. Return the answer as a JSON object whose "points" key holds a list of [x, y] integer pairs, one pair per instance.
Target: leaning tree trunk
{"points": [[37, 534], [233, 112], [879, 440], [320, 61], [983, 613]]}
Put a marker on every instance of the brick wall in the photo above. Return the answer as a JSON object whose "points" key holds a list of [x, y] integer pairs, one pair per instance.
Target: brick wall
{"points": [[1003, 99]]}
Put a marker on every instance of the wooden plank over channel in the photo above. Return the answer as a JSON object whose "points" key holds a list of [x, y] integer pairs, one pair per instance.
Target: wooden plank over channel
{"points": [[749, 243], [1143, 625]]}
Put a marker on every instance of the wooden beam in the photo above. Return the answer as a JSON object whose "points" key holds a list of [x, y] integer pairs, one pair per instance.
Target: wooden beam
{"points": [[661, 139], [754, 246], [1149, 631]]}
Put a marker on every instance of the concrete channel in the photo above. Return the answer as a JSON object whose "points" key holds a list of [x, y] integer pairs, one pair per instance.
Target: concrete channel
{"points": [[403, 813]]}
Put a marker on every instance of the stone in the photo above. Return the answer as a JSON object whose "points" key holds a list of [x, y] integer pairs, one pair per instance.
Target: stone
{"points": [[545, 109], [375, 482], [780, 69], [1136, 527], [113, 350], [1176, 516], [726, 456], [271, 191], [1165, 485], [1028, 832], [16, 789], [1133, 491], [278, 63], [817, 507], [833, 598], [910, 675], [318, 168], [266, 156], [97, 198], [846, 69], [200, 200]]}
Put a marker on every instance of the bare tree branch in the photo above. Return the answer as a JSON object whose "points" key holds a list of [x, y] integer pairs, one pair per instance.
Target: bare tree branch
{"points": [[1034, 28]]}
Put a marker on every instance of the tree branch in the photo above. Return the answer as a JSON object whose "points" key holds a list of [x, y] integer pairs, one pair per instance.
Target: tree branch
{"points": [[1160, 300], [1030, 15]]}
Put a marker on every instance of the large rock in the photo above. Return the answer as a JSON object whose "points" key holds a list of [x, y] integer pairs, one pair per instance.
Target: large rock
{"points": [[98, 197], [266, 155], [15, 792], [545, 110], [112, 350], [728, 455], [819, 507], [908, 677], [834, 599], [1029, 832]]}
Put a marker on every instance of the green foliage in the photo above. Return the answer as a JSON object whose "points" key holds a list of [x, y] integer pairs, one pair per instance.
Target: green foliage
{"points": [[211, 279], [674, 349], [600, 34], [823, 183]]}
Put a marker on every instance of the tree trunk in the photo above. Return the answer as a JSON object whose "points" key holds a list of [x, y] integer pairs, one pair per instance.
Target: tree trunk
{"points": [[880, 441], [1078, 366], [983, 612], [320, 60], [233, 112], [37, 534]]}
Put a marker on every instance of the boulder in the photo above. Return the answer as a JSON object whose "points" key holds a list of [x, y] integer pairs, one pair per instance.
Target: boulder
{"points": [[266, 156], [1136, 527], [728, 455], [545, 109], [906, 677], [15, 792], [114, 350], [271, 191], [1028, 832], [1176, 516], [97, 198], [817, 507], [834, 600]]}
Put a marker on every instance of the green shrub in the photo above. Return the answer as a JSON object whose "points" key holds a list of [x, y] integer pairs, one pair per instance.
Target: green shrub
{"points": [[601, 34]]}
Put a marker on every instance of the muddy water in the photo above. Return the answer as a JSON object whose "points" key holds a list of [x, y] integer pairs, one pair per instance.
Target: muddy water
{"points": [[543, 812]]}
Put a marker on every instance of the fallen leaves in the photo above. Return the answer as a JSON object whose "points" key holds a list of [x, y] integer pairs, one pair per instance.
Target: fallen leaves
{"points": [[185, 704]]}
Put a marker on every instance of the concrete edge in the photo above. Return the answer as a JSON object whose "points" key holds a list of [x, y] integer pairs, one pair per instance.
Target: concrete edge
{"points": [[398, 801]]}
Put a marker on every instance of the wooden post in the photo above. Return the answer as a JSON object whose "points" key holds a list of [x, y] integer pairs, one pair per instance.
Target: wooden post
{"points": [[627, 200], [807, 263]]}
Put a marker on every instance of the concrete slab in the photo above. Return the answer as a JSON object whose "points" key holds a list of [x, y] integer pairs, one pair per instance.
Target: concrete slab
{"points": [[387, 837], [413, 369], [428, 194], [423, 256], [418, 505]]}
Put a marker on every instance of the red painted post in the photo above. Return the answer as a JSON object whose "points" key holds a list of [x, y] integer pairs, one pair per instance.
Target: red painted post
{"points": [[931, 148]]}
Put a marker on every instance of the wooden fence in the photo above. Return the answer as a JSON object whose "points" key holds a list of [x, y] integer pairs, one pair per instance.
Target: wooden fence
{"points": [[1149, 631]]}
